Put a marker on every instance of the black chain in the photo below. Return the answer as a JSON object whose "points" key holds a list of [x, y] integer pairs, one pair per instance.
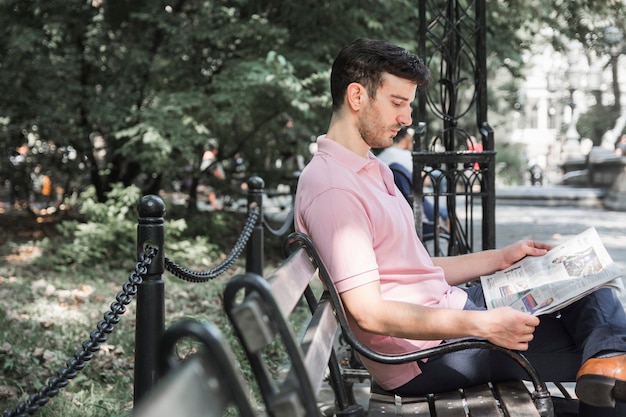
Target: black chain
{"points": [[89, 347], [286, 226], [197, 277]]}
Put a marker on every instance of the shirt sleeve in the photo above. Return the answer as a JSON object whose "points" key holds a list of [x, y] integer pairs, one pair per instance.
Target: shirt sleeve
{"points": [[338, 224]]}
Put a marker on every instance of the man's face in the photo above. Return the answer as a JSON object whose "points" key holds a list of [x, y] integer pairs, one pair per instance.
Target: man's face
{"points": [[382, 117]]}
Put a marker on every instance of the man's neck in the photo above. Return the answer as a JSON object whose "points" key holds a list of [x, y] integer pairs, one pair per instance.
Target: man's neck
{"points": [[348, 137]]}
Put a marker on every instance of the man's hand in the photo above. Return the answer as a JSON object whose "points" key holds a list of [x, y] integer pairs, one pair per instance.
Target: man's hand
{"points": [[518, 250], [463, 268], [508, 327]]}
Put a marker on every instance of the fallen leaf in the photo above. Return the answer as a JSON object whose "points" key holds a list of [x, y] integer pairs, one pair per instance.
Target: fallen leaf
{"points": [[6, 391]]}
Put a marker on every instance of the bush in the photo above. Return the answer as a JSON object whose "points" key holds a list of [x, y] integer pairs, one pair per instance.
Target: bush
{"points": [[108, 231]]}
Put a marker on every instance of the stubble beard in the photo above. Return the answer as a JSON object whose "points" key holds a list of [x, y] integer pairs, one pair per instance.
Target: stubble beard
{"points": [[369, 128]]}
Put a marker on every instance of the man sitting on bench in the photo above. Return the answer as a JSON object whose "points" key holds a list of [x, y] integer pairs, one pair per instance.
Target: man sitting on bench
{"points": [[400, 300]]}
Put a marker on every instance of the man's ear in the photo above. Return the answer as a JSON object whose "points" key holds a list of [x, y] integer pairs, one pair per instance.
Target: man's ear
{"points": [[355, 93]]}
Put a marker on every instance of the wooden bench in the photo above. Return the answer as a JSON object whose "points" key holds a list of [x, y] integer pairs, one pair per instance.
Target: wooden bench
{"points": [[262, 311], [203, 385]]}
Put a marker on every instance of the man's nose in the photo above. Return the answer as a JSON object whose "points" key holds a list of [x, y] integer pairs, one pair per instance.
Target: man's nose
{"points": [[405, 119]]}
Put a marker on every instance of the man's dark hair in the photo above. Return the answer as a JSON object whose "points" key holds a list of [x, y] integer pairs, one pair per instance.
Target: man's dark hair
{"points": [[365, 60]]}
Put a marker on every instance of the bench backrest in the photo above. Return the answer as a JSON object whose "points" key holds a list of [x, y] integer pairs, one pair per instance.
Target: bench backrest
{"points": [[261, 312], [203, 385]]}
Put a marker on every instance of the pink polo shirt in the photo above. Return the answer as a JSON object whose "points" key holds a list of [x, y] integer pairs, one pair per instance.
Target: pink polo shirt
{"points": [[364, 230]]}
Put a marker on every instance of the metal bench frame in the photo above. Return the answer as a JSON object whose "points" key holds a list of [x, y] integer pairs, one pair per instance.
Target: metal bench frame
{"points": [[202, 385]]}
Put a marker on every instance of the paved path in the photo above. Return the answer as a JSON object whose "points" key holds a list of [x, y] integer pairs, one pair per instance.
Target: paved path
{"points": [[556, 224]]}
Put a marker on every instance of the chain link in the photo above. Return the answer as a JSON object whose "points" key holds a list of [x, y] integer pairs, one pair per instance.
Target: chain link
{"points": [[89, 347], [287, 224], [197, 277]]}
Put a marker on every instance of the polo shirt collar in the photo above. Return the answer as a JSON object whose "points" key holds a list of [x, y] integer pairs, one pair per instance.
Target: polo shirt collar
{"points": [[346, 156], [354, 161]]}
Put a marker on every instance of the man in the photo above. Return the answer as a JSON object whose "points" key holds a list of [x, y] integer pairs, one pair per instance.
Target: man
{"points": [[397, 298], [400, 159]]}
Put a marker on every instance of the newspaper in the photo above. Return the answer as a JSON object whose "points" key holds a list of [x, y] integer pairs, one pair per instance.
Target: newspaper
{"points": [[545, 284]]}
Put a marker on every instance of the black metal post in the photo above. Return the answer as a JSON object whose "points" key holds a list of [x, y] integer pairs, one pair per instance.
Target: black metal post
{"points": [[417, 180], [254, 248], [150, 315], [486, 131]]}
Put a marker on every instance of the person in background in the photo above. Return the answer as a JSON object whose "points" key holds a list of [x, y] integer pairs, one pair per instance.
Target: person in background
{"points": [[214, 171], [620, 146], [400, 151], [473, 145], [397, 298], [19, 176], [400, 159]]}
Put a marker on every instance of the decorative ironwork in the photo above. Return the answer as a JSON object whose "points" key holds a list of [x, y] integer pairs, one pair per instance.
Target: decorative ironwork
{"points": [[447, 167]]}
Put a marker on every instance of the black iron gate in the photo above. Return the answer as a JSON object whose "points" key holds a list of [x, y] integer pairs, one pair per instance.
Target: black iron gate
{"points": [[446, 167]]}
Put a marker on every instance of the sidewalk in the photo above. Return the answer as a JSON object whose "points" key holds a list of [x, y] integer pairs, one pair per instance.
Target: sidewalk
{"points": [[556, 224]]}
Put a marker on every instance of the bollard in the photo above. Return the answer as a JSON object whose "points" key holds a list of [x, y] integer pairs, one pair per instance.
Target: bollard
{"points": [[254, 247], [150, 315]]}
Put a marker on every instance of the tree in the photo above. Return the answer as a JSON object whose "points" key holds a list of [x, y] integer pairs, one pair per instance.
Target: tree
{"points": [[138, 88], [132, 91]]}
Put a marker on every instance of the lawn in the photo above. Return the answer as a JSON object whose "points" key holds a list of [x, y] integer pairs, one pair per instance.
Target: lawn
{"points": [[47, 311]]}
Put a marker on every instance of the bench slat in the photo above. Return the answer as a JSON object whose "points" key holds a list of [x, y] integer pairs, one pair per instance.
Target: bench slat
{"points": [[318, 341], [190, 391], [481, 402], [290, 279], [449, 404], [382, 405], [515, 399], [316, 345], [415, 406]]}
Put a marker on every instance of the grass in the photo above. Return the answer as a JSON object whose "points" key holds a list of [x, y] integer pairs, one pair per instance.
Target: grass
{"points": [[44, 318], [47, 312]]}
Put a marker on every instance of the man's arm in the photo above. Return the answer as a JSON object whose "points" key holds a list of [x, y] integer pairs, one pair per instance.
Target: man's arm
{"points": [[463, 268], [503, 326]]}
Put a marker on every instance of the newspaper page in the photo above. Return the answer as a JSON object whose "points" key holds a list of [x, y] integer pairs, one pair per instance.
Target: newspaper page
{"points": [[544, 284]]}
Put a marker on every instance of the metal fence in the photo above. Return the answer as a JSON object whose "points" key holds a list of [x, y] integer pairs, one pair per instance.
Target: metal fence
{"points": [[446, 167]]}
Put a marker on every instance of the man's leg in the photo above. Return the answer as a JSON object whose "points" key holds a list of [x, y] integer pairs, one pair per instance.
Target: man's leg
{"points": [[598, 324]]}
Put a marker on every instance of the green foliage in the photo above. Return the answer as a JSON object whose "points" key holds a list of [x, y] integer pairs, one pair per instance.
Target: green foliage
{"points": [[153, 83], [597, 120], [108, 232]]}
